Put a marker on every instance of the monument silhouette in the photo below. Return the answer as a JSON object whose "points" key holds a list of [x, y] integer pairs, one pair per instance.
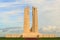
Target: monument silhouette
{"points": [[33, 31]]}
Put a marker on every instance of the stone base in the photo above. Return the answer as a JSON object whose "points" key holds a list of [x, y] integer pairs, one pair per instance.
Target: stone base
{"points": [[30, 35], [37, 35]]}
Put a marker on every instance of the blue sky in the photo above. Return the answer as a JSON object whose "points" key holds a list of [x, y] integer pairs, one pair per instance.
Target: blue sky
{"points": [[12, 14]]}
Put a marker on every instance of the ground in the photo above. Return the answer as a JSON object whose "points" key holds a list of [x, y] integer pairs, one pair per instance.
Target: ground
{"points": [[2, 38]]}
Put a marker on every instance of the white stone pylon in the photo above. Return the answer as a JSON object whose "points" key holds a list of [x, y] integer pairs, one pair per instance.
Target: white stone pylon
{"points": [[26, 20], [34, 20]]}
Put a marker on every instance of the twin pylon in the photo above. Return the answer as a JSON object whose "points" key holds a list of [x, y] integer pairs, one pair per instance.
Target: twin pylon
{"points": [[34, 27], [33, 31]]}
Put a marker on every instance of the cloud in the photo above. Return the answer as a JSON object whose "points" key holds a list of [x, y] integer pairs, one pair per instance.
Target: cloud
{"points": [[12, 17], [58, 30], [49, 10], [10, 4], [49, 28], [12, 12], [15, 20], [11, 30], [34, 1]]}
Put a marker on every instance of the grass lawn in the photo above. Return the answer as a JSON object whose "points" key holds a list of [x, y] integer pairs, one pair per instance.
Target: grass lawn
{"points": [[57, 38], [2, 38]]}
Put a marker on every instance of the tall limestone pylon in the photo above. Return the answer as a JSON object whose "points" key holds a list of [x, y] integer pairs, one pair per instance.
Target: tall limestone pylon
{"points": [[26, 20], [34, 20]]}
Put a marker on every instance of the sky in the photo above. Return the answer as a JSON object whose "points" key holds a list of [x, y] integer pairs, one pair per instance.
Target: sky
{"points": [[12, 15]]}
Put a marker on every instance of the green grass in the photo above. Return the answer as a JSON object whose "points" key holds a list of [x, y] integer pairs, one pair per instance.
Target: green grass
{"points": [[57, 38], [2, 38]]}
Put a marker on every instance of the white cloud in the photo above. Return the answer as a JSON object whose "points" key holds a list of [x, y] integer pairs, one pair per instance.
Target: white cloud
{"points": [[49, 28], [34, 1], [49, 9], [7, 4], [10, 4], [12, 12], [5, 16], [58, 30]]}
